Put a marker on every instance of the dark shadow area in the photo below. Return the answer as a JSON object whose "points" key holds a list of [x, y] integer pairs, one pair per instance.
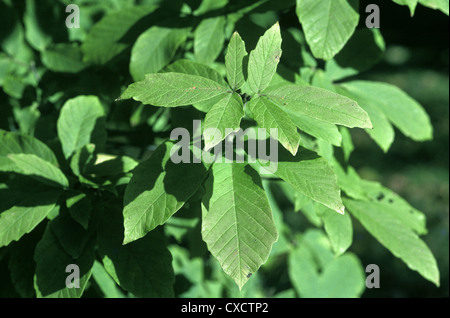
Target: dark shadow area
{"points": [[148, 255], [361, 52], [8, 19], [183, 179], [26, 192], [145, 175], [52, 262]]}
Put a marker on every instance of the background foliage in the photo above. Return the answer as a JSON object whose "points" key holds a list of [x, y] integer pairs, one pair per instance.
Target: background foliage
{"points": [[68, 150]]}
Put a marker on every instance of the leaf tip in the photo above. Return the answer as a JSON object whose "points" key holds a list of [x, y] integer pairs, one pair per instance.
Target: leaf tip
{"points": [[369, 124], [293, 150], [126, 240], [340, 209], [437, 283]]}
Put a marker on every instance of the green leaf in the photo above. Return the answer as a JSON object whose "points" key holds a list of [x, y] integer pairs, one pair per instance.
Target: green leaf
{"points": [[397, 206], [36, 24], [72, 237], [308, 208], [365, 190], [403, 111], [320, 104], [64, 57], [224, 117], [322, 80], [363, 50], [288, 293], [311, 176], [13, 36], [81, 121], [328, 24], [264, 59], [82, 160], [208, 39], [338, 228], [103, 41], [209, 5], [412, 4], [105, 282], [436, 4], [26, 211], [234, 60], [22, 148], [27, 118], [39, 169], [317, 128], [396, 237], [194, 68], [51, 262], [268, 115], [347, 143], [14, 86], [79, 206], [143, 267], [157, 190], [238, 228], [154, 49], [5, 67], [382, 133], [15, 143], [283, 244], [315, 273], [173, 89]]}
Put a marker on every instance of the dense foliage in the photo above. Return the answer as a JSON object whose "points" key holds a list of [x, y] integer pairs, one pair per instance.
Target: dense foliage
{"points": [[87, 169]]}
